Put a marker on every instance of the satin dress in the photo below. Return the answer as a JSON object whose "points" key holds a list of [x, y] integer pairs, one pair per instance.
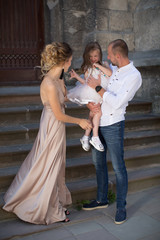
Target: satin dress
{"points": [[38, 193]]}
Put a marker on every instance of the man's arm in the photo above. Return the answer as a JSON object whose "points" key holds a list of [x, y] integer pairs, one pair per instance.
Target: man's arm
{"points": [[124, 94]]}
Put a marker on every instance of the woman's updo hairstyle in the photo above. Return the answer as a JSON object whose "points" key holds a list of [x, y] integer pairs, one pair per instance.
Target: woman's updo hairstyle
{"points": [[54, 54]]}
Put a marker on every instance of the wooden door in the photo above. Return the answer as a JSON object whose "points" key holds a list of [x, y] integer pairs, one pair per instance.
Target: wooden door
{"points": [[21, 41]]}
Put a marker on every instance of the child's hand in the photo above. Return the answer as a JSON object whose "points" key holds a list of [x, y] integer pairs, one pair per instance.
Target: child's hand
{"points": [[106, 64], [73, 74], [96, 65]]}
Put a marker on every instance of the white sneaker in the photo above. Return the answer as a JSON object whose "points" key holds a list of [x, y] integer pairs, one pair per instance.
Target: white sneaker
{"points": [[85, 144], [95, 141]]}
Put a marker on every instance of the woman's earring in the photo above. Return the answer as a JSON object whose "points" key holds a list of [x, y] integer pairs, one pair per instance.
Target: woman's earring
{"points": [[62, 74]]}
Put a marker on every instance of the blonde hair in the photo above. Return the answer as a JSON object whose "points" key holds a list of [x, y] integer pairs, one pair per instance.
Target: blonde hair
{"points": [[54, 54]]}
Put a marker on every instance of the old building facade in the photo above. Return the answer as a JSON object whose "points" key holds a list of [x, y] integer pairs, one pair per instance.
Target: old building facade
{"points": [[78, 22]]}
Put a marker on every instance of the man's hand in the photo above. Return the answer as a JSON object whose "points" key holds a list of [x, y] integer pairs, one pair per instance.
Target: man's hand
{"points": [[94, 108], [93, 82]]}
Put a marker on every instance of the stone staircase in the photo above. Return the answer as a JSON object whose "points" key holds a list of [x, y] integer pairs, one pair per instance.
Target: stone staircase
{"points": [[20, 110]]}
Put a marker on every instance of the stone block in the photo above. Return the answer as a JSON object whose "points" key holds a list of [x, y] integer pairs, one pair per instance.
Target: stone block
{"points": [[120, 21], [147, 26], [75, 40], [156, 104], [132, 4], [82, 5], [75, 22], [56, 23], [150, 82], [102, 18], [104, 38], [112, 4], [129, 39]]}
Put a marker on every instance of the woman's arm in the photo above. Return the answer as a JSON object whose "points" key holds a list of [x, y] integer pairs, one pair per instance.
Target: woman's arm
{"points": [[56, 108]]}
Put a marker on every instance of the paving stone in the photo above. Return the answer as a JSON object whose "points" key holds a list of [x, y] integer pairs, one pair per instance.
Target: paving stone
{"points": [[138, 226], [83, 227], [152, 237], [56, 234], [101, 234]]}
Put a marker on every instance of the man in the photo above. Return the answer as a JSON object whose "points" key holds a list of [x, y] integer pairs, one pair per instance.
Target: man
{"points": [[123, 84]]}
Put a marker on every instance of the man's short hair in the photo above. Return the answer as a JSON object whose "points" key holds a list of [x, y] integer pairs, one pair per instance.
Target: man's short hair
{"points": [[119, 46]]}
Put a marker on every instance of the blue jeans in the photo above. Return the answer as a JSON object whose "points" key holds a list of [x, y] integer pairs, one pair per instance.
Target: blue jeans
{"points": [[112, 138]]}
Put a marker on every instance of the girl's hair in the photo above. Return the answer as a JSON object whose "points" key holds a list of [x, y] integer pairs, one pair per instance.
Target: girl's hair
{"points": [[86, 57], [54, 54]]}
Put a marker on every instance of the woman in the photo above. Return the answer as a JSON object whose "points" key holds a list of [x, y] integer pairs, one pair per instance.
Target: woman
{"points": [[38, 193]]}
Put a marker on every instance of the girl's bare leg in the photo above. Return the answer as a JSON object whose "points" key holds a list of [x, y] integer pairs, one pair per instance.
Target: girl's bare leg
{"points": [[85, 139], [88, 131], [95, 141], [95, 121]]}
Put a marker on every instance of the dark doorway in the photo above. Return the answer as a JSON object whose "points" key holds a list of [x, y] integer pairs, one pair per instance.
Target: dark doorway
{"points": [[21, 41]]}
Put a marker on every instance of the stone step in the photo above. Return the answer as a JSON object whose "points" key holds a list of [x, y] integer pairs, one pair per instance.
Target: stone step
{"points": [[11, 96], [82, 167], [138, 179], [144, 122], [18, 95], [14, 154], [85, 189], [31, 113], [13, 134]]}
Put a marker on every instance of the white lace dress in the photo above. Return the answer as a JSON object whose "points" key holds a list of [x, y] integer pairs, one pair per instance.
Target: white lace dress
{"points": [[83, 94]]}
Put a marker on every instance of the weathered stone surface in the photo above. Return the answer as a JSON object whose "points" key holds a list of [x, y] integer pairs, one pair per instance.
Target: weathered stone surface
{"points": [[150, 84], [102, 18], [112, 4], [132, 4], [129, 39], [120, 21], [82, 5], [147, 4], [56, 22], [81, 21], [105, 38], [147, 26], [52, 3], [156, 104], [74, 23]]}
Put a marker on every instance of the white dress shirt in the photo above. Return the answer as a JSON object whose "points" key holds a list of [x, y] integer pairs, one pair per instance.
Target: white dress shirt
{"points": [[123, 85]]}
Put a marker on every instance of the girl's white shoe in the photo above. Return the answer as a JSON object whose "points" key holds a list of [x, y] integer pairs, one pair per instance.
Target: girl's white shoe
{"points": [[96, 143], [85, 143]]}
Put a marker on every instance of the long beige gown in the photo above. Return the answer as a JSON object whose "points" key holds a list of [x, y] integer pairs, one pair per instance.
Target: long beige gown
{"points": [[38, 193]]}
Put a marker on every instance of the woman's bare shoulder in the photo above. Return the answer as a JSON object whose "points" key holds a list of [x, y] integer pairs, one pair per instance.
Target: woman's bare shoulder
{"points": [[48, 83]]}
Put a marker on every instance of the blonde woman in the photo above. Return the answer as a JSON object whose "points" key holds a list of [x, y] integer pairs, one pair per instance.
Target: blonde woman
{"points": [[38, 194]]}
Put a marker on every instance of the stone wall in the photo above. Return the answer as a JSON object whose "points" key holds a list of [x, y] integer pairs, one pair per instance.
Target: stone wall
{"points": [[135, 21]]}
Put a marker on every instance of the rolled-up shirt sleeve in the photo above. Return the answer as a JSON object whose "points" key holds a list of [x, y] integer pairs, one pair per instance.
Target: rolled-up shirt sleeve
{"points": [[125, 93]]}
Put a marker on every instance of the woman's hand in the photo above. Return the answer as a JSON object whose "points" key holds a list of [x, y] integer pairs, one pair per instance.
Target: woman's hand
{"points": [[73, 74], [94, 108], [85, 124]]}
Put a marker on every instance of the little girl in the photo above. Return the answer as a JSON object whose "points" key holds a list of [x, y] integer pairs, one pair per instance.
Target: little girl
{"points": [[83, 94]]}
